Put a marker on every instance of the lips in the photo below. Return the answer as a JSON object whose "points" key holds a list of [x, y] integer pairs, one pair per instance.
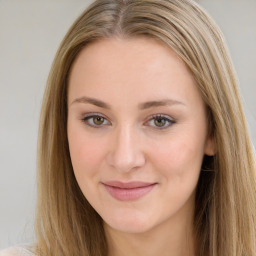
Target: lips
{"points": [[128, 191]]}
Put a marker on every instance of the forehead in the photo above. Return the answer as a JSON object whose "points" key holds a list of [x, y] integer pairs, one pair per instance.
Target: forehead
{"points": [[127, 66], [145, 53]]}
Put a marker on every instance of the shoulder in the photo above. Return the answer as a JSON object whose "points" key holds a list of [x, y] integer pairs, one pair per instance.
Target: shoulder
{"points": [[16, 251]]}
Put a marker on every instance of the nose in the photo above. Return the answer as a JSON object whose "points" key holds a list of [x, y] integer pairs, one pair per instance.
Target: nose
{"points": [[125, 152]]}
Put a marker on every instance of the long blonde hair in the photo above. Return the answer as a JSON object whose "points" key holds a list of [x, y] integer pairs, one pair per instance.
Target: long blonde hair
{"points": [[225, 212]]}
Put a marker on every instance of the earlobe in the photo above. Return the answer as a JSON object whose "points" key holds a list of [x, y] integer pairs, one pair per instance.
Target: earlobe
{"points": [[210, 147]]}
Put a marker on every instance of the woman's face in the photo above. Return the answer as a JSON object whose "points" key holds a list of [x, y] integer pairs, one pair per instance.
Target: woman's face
{"points": [[137, 132]]}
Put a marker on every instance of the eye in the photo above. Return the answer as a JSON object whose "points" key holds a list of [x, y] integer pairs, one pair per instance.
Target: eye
{"points": [[160, 121], [96, 121]]}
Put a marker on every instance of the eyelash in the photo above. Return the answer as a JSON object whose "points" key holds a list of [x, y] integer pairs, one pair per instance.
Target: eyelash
{"points": [[167, 120], [91, 116], [153, 118]]}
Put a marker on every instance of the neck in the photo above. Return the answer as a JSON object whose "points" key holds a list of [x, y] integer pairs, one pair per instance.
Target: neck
{"points": [[171, 238]]}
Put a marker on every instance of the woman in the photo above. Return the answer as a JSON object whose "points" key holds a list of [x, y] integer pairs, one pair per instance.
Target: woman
{"points": [[143, 145]]}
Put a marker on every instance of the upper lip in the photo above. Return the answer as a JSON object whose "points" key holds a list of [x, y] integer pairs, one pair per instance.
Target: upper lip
{"points": [[127, 185]]}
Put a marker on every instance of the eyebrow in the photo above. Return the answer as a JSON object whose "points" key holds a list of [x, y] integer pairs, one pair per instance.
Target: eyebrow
{"points": [[142, 106], [160, 103], [92, 101]]}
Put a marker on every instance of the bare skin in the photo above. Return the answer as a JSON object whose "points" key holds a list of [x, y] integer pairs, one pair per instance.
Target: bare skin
{"points": [[135, 115]]}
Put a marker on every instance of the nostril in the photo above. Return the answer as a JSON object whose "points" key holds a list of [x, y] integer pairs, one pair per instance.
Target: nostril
{"points": [[125, 160]]}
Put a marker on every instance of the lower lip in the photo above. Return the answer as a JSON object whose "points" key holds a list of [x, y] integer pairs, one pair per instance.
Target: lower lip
{"points": [[125, 194]]}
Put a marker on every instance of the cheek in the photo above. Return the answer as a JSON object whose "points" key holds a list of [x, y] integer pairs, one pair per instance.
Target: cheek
{"points": [[86, 154], [179, 157], [178, 162]]}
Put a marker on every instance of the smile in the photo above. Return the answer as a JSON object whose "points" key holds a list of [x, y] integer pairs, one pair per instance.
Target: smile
{"points": [[128, 191]]}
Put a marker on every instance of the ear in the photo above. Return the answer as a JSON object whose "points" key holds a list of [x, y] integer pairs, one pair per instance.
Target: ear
{"points": [[210, 147]]}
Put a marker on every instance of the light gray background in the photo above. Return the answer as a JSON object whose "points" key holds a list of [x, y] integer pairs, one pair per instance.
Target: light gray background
{"points": [[30, 33]]}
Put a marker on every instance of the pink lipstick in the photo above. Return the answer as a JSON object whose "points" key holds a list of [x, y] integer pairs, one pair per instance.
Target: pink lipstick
{"points": [[128, 191]]}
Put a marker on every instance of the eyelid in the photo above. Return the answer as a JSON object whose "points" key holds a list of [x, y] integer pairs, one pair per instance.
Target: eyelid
{"points": [[87, 116], [161, 116]]}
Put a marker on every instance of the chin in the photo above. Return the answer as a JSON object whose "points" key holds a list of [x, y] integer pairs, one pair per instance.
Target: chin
{"points": [[129, 223]]}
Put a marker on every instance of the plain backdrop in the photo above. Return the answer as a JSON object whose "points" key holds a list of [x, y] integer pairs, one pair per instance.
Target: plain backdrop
{"points": [[30, 33]]}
